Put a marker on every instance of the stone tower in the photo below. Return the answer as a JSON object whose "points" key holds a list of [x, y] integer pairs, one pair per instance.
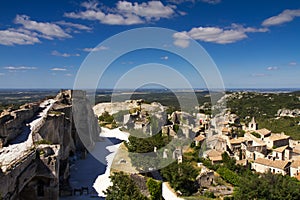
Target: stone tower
{"points": [[253, 125]]}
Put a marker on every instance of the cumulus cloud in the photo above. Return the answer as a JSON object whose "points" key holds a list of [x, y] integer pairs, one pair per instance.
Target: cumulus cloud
{"points": [[30, 31], [150, 10], [284, 17], [50, 30], [125, 13], [272, 68], [215, 34], [57, 53], [14, 37], [58, 69], [100, 48], [112, 19]]}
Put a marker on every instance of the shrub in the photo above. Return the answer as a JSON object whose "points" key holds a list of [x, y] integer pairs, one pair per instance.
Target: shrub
{"points": [[155, 189]]}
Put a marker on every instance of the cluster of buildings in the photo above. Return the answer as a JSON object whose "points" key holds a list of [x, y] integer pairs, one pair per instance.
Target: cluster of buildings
{"points": [[261, 148]]}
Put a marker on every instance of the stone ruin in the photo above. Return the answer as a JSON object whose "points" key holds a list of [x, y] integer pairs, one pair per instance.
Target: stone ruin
{"points": [[36, 142]]}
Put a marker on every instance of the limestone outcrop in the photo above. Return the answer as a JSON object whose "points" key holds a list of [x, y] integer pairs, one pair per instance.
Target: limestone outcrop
{"points": [[47, 133], [12, 122], [288, 113]]}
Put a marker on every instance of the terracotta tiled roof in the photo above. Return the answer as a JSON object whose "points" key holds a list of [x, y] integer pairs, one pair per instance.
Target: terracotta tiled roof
{"points": [[281, 149], [276, 137], [295, 164], [238, 140], [296, 150], [216, 158], [263, 131], [279, 164], [199, 138], [215, 155], [225, 129]]}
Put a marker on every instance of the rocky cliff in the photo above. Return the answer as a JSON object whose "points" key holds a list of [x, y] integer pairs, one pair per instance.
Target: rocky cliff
{"points": [[12, 123], [63, 127], [288, 113]]}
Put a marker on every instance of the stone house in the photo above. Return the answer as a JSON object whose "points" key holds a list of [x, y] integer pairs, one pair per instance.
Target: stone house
{"points": [[216, 142], [295, 168], [205, 178], [213, 155], [263, 133], [236, 147], [253, 154], [277, 140], [263, 165], [282, 153], [295, 153], [199, 139]]}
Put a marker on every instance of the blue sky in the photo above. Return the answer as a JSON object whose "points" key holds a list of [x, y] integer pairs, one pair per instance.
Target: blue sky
{"points": [[254, 44]]}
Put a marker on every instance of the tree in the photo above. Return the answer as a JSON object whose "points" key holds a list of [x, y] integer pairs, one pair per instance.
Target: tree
{"points": [[123, 188], [268, 186], [155, 189], [228, 161], [181, 177]]}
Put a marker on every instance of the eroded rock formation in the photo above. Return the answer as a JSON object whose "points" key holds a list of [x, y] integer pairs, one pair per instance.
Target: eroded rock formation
{"points": [[67, 127]]}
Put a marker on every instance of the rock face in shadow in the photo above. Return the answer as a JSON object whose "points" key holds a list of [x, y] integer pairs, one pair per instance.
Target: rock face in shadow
{"points": [[72, 124], [12, 122], [69, 128]]}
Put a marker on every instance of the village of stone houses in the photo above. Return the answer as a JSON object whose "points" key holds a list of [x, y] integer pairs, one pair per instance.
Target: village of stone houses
{"points": [[143, 149], [222, 148]]}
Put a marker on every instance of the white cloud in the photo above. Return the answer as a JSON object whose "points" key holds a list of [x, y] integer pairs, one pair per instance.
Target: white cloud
{"points": [[90, 4], [73, 25], [2, 74], [150, 10], [292, 63], [182, 43], [259, 75], [100, 48], [164, 57], [13, 37], [181, 1], [19, 68], [31, 31], [272, 68], [211, 1], [125, 13], [56, 53], [194, 1], [112, 19], [58, 69], [284, 17], [215, 34], [68, 75], [50, 30]]}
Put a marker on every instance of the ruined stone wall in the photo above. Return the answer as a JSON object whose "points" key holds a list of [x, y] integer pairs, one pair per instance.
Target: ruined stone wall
{"points": [[20, 181]]}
